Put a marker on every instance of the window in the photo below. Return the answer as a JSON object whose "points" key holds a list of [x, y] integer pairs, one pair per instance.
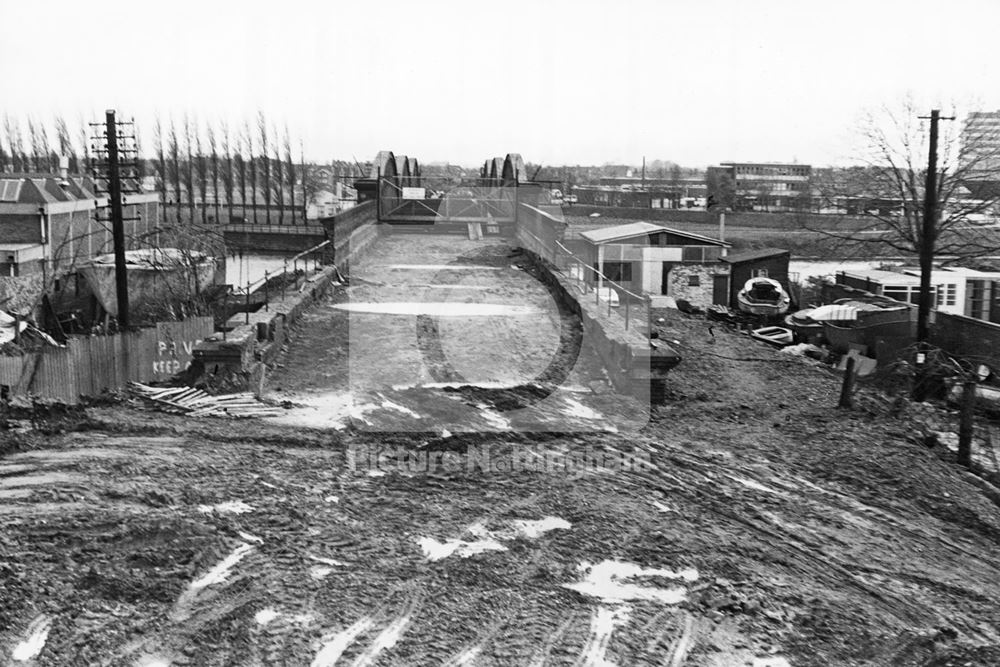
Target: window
{"points": [[945, 295], [760, 273], [694, 281], [898, 293], [693, 254], [618, 271]]}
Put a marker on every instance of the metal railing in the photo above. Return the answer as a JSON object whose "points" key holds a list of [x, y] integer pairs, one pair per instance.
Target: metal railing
{"points": [[633, 309], [315, 255]]}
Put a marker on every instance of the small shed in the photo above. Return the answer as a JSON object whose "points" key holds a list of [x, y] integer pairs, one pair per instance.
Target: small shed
{"points": [[657, 260]]}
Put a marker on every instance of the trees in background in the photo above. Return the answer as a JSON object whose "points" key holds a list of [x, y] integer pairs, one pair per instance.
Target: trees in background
{"points": [[887, 197], [203, 170]]}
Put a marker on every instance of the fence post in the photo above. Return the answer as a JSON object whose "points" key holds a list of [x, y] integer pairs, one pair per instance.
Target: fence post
{"points": [[248, 304], [847, 389], [267, 299], [966, 424], [284, 278]]}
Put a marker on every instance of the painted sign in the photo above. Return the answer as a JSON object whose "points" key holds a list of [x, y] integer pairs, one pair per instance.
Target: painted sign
{"points": [[175, 342], [414, 193]]}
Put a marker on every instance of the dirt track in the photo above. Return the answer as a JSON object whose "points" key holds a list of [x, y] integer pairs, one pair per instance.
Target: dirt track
{"points": [[766, 527]]}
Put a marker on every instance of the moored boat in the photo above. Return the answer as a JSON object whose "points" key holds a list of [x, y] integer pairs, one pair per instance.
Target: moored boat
{"points": [[763, 296]]}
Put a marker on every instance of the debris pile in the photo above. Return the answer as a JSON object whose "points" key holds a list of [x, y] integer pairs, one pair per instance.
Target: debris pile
{"points": [[197, 403]]}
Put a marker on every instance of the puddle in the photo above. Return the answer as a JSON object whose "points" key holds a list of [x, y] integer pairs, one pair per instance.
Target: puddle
{"points": [[318, 572], [390, 405], [228, 507], [578, 409], [221, 571], [434, 550], [265, 616], [771, 662], [250, 538], [439, 309], [385, 639], [441, 267], [609, 581], [34, 641], [334, 645], [327, 410], [535, 528], [494, 418]]}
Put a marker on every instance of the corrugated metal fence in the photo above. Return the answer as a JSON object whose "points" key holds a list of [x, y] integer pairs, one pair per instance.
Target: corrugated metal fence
{"points": [[89, 365]]}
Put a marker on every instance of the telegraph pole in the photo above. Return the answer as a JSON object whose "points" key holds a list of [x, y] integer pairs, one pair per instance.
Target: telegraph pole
{"points": [[928, 239], [117, 223], [107, 169]]}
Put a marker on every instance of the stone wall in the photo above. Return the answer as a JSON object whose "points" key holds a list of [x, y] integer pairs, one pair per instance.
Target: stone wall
{"points": [[701, 294]]}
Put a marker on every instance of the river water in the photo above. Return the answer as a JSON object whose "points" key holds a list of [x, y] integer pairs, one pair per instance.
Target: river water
{"points": [[247, 268], [809, 268]]}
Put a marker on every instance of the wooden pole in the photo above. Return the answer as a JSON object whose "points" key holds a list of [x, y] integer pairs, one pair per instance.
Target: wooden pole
{"points": [[966, 424], [847, 389]]}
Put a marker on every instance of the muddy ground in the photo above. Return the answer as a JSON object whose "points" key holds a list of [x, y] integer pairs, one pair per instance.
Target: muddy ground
{"points": [[752, 524]]}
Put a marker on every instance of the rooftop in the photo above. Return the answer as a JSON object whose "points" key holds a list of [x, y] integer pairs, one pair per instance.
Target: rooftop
{"points": [[751, 255], [619, 232]]}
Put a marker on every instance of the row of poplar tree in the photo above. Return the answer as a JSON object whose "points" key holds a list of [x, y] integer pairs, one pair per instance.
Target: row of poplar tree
{"points": [[203, 171]]}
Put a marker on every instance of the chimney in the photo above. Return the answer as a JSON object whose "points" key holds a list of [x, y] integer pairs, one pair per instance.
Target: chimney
{"points": [[63, 170]]}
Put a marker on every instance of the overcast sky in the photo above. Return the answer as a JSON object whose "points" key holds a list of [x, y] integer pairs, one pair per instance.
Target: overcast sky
{"points": [[582, 82]]}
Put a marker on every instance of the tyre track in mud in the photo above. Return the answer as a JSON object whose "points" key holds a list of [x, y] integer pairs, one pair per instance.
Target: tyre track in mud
{"points": [[701, 473]]}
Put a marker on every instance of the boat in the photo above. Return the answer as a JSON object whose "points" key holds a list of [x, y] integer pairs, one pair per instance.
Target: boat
{"points": [[778, 336], [848, 322], [804, 326], [763, 296]]}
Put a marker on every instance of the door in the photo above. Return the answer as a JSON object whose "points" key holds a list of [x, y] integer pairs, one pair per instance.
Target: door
{"points": [[665, 284], [720, 290]]}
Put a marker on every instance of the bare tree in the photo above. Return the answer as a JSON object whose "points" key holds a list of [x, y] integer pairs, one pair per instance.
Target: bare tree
{"points": [[279, 178], [290, 171], [18, 156], [264, 164], [79, 165], [248, 139], [64, 139], [173, 148], [188, 171], [213, 157], [240, 166], [4, 151], [227, 168], [309, 185], [201, 172], [39, 144], [885, 194], [161, 161]]}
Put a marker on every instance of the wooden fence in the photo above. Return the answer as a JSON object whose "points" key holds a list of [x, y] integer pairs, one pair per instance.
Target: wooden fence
{"points": [[90, 365]]}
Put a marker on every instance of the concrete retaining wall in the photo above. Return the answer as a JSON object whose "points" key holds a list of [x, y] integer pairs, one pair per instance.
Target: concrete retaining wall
{"points": [[239, 355], [633, 364]]}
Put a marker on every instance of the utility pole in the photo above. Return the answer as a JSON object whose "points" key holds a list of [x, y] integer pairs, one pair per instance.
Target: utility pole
{"points": [[928, 239], [117, 223], [107, 169]]}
